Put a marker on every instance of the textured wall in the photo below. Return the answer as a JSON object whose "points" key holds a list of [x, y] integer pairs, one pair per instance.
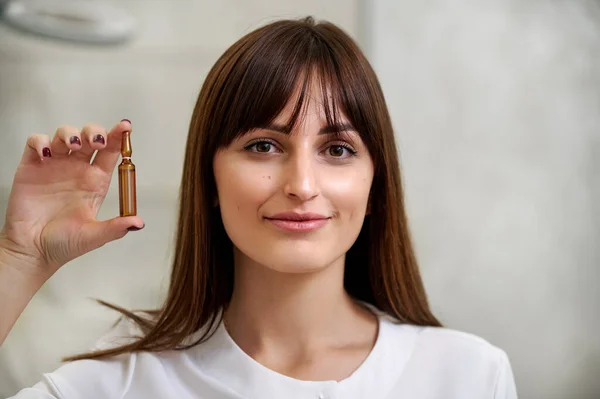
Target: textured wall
{"points": [[496, 105]]}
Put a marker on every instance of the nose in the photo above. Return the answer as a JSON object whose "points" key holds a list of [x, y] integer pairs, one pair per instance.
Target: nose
{"points": [[300, 181]]}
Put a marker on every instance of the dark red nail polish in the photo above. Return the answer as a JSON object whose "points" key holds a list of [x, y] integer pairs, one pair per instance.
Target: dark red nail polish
{"points": [[135, 228], [99, 139], [75, 140], [122, 120], [46, 152]]}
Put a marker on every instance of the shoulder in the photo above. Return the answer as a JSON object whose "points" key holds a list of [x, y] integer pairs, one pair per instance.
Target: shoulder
{"points": [[447, 345], [452, 343], [90, 378], [439, 345], [452, 361]]}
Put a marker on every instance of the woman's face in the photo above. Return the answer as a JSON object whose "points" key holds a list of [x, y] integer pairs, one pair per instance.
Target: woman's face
{"points": [[294, 202]]}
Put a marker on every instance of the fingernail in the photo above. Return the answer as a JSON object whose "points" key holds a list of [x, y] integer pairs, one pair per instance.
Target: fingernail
{"points": [[75, 140], [99, 139], [122, 120], [46, 152], [135, 228]]}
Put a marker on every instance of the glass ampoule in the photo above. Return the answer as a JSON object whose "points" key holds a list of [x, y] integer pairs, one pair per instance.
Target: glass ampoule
{"points": [[127, 194]]}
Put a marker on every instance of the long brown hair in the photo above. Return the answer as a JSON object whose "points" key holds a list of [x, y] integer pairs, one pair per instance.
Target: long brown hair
{"points": [[247, 88]]}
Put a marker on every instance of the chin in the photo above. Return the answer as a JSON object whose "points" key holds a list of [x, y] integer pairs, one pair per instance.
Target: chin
{"points": [[297, 260], [296, 268]]}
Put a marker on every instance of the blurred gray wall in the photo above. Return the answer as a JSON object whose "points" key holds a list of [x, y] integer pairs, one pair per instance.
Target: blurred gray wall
{"points": [[496, 106]]}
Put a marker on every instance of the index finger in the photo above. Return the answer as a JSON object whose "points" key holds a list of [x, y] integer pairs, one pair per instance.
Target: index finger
{"points": [[107, 158]]}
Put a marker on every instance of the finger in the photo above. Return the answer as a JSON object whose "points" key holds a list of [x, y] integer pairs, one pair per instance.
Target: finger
{"points": [[66, 138], [96, 233], [107, 158], [93, 137], [37, 148]]}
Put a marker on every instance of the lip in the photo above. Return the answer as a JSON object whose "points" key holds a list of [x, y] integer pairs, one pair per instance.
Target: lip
{"points": [[298, 222]]}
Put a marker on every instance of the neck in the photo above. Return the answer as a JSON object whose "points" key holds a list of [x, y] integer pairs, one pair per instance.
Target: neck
{"points": [[296, 311]]}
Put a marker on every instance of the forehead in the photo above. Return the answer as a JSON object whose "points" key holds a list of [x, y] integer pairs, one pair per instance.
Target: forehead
{"points": [[315, 102]]}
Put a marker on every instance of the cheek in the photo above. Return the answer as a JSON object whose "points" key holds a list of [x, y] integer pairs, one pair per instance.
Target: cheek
{"points": [[242, 187], [349, 192]]}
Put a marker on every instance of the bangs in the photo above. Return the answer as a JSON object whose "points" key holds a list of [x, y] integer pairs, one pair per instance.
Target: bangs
{"points": [[284, 65]]}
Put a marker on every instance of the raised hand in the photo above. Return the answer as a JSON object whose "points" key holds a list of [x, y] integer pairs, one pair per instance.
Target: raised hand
{"points": [[56, 194]]}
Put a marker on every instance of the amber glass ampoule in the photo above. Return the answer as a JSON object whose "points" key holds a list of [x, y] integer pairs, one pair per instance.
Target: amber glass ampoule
{"points": [[127, 200]]}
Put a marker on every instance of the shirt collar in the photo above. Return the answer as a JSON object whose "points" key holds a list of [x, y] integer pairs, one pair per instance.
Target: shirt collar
{"points": [[220, 358]]}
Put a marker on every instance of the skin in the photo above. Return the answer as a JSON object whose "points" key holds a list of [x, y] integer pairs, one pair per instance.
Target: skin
{"points": [[289, 310]]}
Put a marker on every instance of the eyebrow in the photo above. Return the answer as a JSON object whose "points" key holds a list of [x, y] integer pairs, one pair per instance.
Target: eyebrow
{"points": [[337, 128]]}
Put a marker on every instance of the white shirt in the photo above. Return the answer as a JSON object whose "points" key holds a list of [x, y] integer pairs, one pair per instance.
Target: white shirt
{"points": [[406, 362]]}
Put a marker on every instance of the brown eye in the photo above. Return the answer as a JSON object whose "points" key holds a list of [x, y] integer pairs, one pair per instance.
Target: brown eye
{"points": [[336, 151], [263, 146]]}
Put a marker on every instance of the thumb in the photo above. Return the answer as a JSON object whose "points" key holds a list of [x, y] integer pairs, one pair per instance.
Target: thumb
{"points": [[98, 233]]}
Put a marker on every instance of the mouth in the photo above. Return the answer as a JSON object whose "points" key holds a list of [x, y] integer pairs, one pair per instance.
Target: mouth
{"points": [[298, 222]]}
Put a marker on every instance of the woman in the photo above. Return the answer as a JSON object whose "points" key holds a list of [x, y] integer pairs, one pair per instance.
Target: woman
{"points": [[294, 275]]}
